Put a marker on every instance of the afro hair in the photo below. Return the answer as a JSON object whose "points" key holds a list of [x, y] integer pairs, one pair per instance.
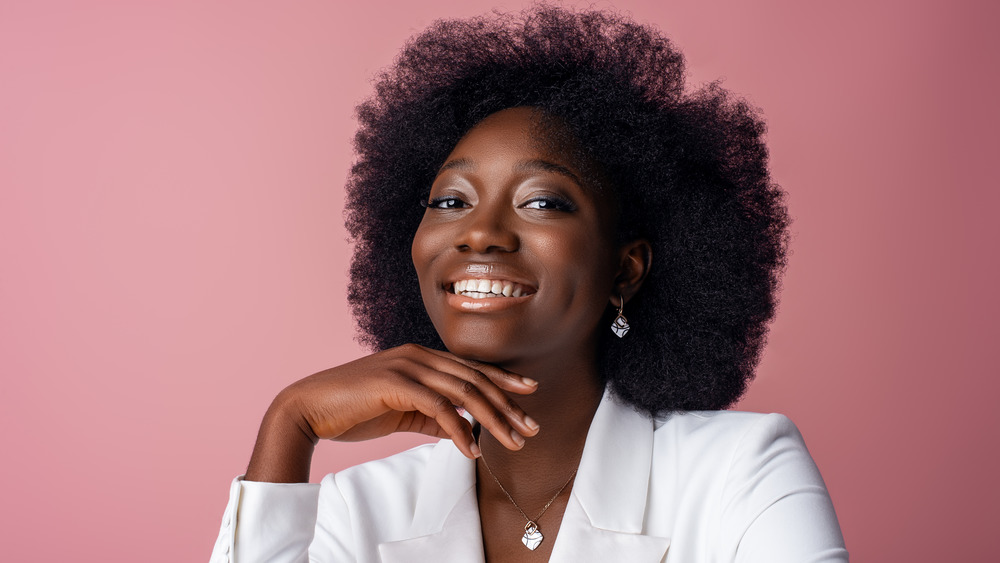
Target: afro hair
{"points": [[688, 169]]}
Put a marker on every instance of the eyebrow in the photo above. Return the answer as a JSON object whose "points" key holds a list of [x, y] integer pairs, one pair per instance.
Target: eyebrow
{"points": [[463, 164], [538, 165], [533, 165]]}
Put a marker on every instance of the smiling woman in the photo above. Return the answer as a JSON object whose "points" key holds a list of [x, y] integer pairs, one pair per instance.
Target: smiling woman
{"points": [[539, 178], [503, 212]]}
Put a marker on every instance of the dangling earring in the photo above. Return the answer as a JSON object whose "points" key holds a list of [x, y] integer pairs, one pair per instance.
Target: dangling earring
{"points": [[620, 325]]}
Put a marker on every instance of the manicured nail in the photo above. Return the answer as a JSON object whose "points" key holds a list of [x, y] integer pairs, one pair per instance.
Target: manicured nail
{"points": [[529, 382], [474, 448], [518, 439], [530, 423]]}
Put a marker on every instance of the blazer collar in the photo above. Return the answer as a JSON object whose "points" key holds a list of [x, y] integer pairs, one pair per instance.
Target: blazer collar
{"points": [[605, 517], [446, 524], [603, 520]]}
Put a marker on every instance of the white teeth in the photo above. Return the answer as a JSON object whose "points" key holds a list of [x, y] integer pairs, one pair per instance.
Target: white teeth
{"points": [[482, 289]]}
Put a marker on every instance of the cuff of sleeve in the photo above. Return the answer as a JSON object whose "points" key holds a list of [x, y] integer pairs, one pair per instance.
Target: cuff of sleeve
{"points": [[267, 522]]}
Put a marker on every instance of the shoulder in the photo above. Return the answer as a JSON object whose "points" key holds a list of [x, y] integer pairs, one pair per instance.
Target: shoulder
{"points": [[729, 439], [724, 452], [739, 459], [723, 427], [742, 482]]}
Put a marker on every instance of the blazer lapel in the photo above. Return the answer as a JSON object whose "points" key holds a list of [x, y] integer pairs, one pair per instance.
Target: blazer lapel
{"points": [[604, 519], [446, 524], [579, 542]]}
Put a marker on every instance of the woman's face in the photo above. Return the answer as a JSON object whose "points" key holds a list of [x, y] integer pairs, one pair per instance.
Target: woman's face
{"points": [[516, 258]]}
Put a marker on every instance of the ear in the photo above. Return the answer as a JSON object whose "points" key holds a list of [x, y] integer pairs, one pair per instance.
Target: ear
{"points": [[634, 259]]}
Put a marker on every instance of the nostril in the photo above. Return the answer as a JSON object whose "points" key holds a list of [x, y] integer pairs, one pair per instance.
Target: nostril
{"points": [[487, 231]]}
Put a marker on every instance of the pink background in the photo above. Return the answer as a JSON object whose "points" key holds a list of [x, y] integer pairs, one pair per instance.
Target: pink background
{"points": [[172, 252]]}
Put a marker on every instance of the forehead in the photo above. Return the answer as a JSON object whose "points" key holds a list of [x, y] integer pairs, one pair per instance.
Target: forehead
{"points": [[531, 140], [507, 131]]}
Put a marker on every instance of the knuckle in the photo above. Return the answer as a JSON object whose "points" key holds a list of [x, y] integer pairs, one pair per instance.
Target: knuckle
{"points": [[500, 420], [508, 376], [410, 348], [479, 376], [442, 404], [510, 408], [468, 388]]}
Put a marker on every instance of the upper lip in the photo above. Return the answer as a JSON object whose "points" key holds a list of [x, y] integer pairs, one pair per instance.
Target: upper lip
{"points": [[487, 271]]}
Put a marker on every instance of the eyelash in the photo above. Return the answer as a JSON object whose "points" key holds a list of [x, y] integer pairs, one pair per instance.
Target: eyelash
{"points": [[436, 202], [448, 202], [556, 203]]}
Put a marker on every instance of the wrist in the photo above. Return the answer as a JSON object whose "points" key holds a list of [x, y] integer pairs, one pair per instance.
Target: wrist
{"points": [[284, 417], [284, 447]]}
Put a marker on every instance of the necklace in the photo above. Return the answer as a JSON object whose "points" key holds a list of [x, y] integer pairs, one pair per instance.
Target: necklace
{"points": [[532, 537]]}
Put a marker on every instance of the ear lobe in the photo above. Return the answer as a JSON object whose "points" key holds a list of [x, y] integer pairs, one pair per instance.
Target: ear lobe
{"points": [[634, 260]]}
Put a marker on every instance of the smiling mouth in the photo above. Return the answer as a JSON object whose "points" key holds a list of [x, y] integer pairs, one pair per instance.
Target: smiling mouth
{"points": [[489, 289]]}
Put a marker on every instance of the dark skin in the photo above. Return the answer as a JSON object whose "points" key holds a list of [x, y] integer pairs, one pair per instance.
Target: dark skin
{"points": [[505, 211]]}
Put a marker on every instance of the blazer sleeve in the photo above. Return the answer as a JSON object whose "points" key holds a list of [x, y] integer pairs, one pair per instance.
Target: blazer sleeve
{"points": [[775, 503], [270, 522]]}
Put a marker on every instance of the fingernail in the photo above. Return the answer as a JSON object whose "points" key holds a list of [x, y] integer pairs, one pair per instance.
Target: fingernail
{"points": [[474, 448], [529, 382], [530, 423], [518, 439]]}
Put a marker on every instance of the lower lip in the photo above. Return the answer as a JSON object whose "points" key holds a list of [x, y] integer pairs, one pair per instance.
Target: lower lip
{"points": [[487, 305]]}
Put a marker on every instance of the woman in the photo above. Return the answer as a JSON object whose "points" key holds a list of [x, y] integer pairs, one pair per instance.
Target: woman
{"points": [[597, 255]]}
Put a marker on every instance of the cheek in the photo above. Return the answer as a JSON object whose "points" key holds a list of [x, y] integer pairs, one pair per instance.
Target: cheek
{"points": [[422, 250], [430, 243], [582, 261], [422, 253]]}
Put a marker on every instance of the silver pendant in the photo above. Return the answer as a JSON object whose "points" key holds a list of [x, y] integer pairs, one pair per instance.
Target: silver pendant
{"points": [[620, 326], [532, 538]]}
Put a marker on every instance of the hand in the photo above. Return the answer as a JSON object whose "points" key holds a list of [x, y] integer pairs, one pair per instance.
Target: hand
{"points": [[405, 389]]}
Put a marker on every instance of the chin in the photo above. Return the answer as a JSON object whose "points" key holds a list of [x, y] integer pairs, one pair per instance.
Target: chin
{"points": [[478, 351], [489, 348]]}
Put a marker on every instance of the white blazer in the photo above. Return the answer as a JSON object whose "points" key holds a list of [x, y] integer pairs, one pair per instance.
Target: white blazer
{"points": [[708, 487]]}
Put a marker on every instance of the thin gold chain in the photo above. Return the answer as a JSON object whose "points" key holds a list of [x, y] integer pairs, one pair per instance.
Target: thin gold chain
{"points": [[511, 499]]}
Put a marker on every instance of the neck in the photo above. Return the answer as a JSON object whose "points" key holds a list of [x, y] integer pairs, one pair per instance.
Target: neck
{"points": [[563, 406]]}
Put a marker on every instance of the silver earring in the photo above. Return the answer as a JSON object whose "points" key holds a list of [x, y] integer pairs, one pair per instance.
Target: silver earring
{"points": [[620, 325]]}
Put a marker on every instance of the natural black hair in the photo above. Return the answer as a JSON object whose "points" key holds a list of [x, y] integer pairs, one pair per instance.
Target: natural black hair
{"points": [[688, 169]]}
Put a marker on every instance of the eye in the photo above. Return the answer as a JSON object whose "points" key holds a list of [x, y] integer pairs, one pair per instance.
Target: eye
{"points": [[444, 202], [550, 203]]}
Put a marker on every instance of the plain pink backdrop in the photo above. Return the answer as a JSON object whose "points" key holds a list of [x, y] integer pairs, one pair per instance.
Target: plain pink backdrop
{"points": [[173, 254]]}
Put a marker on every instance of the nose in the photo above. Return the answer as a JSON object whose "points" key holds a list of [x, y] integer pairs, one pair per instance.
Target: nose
{"points": [[487, 229]]}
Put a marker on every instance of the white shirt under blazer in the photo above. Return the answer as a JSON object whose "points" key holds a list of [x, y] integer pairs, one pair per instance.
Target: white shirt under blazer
{"points": [[712, 487]]}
